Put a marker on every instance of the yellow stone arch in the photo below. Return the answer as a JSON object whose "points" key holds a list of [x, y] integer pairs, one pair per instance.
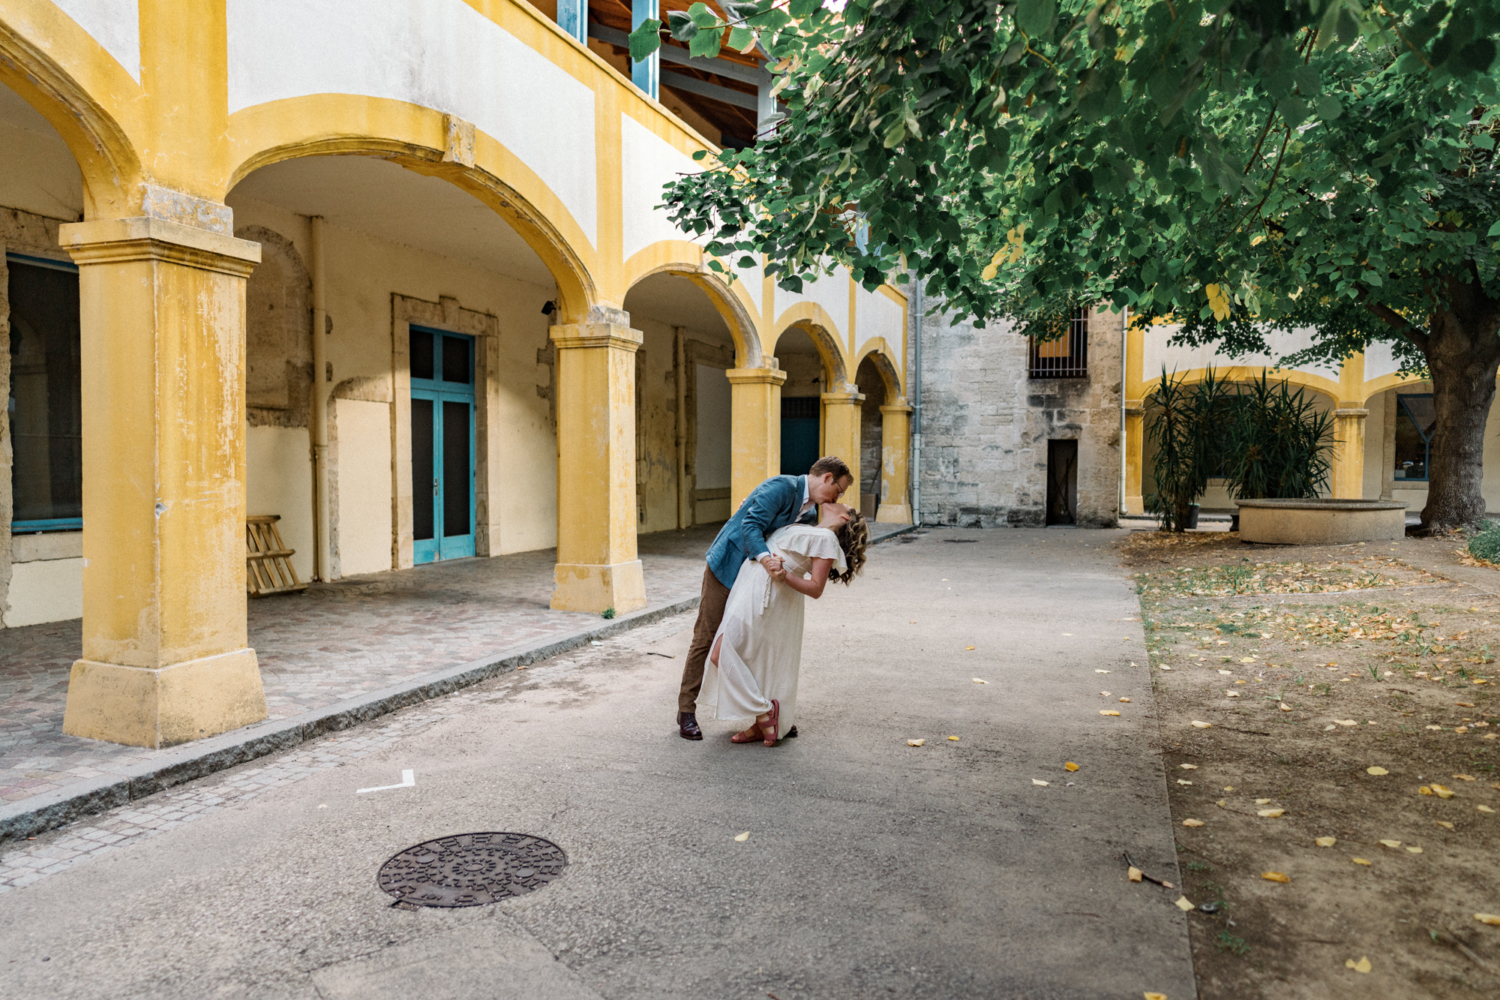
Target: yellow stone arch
{"points": [[68, 78], [734, 303], [879, 353], [814, 320], [420, 139]]}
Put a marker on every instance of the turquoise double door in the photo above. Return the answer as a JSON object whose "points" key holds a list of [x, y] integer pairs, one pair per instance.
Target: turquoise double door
{"points": [[442, 445]]}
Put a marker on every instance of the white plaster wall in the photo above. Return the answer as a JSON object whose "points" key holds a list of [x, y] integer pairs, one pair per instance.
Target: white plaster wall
{"points": [[115, 24], [875, 315], [1183, 359], [646, 163], [364, 493], [714, 424], [831, 291], [50, 590], [440, 54], [278, 480]]}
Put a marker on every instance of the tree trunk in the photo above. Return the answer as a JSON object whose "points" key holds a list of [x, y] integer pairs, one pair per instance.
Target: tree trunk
{"points": [[1463, 354]]}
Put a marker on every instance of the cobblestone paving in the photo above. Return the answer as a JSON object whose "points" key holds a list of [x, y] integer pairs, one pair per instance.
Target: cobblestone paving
{"points": [[29, 861], [323, 646]]}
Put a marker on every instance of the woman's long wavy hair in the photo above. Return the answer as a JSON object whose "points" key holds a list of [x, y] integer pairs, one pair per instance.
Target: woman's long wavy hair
{"points": [[854, 538]]}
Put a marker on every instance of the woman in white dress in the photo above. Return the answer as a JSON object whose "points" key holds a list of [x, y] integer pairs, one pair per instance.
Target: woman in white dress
{"points": [[752, 670]]}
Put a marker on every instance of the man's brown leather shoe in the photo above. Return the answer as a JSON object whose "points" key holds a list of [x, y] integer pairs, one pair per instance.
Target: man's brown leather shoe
{"points": [[687, 726]]}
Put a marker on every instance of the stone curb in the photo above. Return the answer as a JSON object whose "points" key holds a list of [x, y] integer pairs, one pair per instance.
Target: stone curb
{"points": [[190, 761], [52, 809]]}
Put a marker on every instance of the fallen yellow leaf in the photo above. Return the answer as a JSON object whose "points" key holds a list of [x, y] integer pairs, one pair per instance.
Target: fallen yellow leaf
{"points": [[1363, 965], [1203, 725], [1125, 700], [1391, 843], [743, 836], [1424, 790], [1097, 671], [1444, 824], [1493, 919], [1464, 777], [1183, 904], [1360, 861], [1134, 874], [1442, 791], [1345, 722], [966, 648], [1285, 707], [1070, 766], [1188, 767], [1039, 781], [1108, 711], [1192, 822], [1377, 771], [1183, 781], [1271, 813], [915, 743], [1484, 809], [1414, 850], [1262, 802], [978, 681], [1275, 877], [1326, 841], [1155, 996], [954, 738]]}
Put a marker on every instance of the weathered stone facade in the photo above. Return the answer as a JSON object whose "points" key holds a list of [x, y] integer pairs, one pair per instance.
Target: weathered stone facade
{"points": [[986, 424]]}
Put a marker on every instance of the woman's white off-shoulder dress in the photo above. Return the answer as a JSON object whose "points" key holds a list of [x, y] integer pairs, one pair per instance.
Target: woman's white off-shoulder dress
{"points": [[760, 638]]}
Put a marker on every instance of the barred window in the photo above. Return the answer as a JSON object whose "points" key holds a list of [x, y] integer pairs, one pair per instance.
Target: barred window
{"points": [[1065, 356]]}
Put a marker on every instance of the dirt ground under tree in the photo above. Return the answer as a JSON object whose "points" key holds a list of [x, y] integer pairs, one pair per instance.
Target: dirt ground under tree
{"points": [[1331, 729]]}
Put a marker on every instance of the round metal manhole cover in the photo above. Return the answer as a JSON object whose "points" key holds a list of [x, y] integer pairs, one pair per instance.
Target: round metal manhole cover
{"points": [[472, 869]]}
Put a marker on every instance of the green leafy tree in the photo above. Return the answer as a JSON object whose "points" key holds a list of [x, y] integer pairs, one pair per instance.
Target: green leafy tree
{"points": [[1239, 165]]}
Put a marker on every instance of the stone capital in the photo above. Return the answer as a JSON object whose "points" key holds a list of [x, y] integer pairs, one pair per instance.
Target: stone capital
{"points": [[572, 336], [752, 376], [849, 397], [901, 408], [1355, 412], [112, 241]]}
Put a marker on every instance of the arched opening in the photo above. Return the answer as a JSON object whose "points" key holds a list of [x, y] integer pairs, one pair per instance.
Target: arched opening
{"points": [[683, 404], [871, 429], [807, 378], [41, 188], [436, 364]]}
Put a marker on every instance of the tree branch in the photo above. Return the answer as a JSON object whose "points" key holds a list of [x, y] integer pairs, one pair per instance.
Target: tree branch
{"points": [[1394, 320]]}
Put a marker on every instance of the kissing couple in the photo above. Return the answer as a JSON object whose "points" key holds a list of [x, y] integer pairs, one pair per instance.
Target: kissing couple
{"points": [[783, 545]]}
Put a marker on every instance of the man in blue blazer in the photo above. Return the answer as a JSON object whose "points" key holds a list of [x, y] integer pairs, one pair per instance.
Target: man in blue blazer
{"points": [[775, 503]]}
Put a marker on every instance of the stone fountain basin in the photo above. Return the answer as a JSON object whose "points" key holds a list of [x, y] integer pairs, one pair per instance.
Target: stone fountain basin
{"points": [[1321, 522]]}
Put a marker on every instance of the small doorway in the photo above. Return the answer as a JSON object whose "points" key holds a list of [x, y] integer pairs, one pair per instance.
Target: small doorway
{"points": [[442, 445], [1062, 482], [800, 433]]}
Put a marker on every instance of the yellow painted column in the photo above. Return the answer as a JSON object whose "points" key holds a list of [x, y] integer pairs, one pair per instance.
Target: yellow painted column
{"points": [[1135, 423], [841, 413], [1348, 475], [756, 437], [166, 658], [597, 566], [895, 463]]}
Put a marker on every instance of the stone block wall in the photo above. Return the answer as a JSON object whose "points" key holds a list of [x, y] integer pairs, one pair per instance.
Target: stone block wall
{"points": [[986, 424]]}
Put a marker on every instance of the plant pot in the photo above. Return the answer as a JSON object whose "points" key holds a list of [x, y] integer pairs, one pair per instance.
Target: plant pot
{"points": [[1192, 517]]}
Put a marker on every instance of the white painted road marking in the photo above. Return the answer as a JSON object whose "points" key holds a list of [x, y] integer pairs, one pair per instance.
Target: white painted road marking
{"points": [[408, 780]]}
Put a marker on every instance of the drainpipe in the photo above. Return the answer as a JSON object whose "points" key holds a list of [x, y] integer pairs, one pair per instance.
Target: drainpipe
{"points": [[1124, 350], [681, 349], [916, 411], [318, 424]]}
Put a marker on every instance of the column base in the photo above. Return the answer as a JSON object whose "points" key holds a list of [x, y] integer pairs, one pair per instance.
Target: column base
{"points": [[893, 513], [597, 588], [159, 708]]}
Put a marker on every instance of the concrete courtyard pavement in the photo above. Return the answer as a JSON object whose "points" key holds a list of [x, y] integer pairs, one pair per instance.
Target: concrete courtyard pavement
{"points": [[872, 868]]}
